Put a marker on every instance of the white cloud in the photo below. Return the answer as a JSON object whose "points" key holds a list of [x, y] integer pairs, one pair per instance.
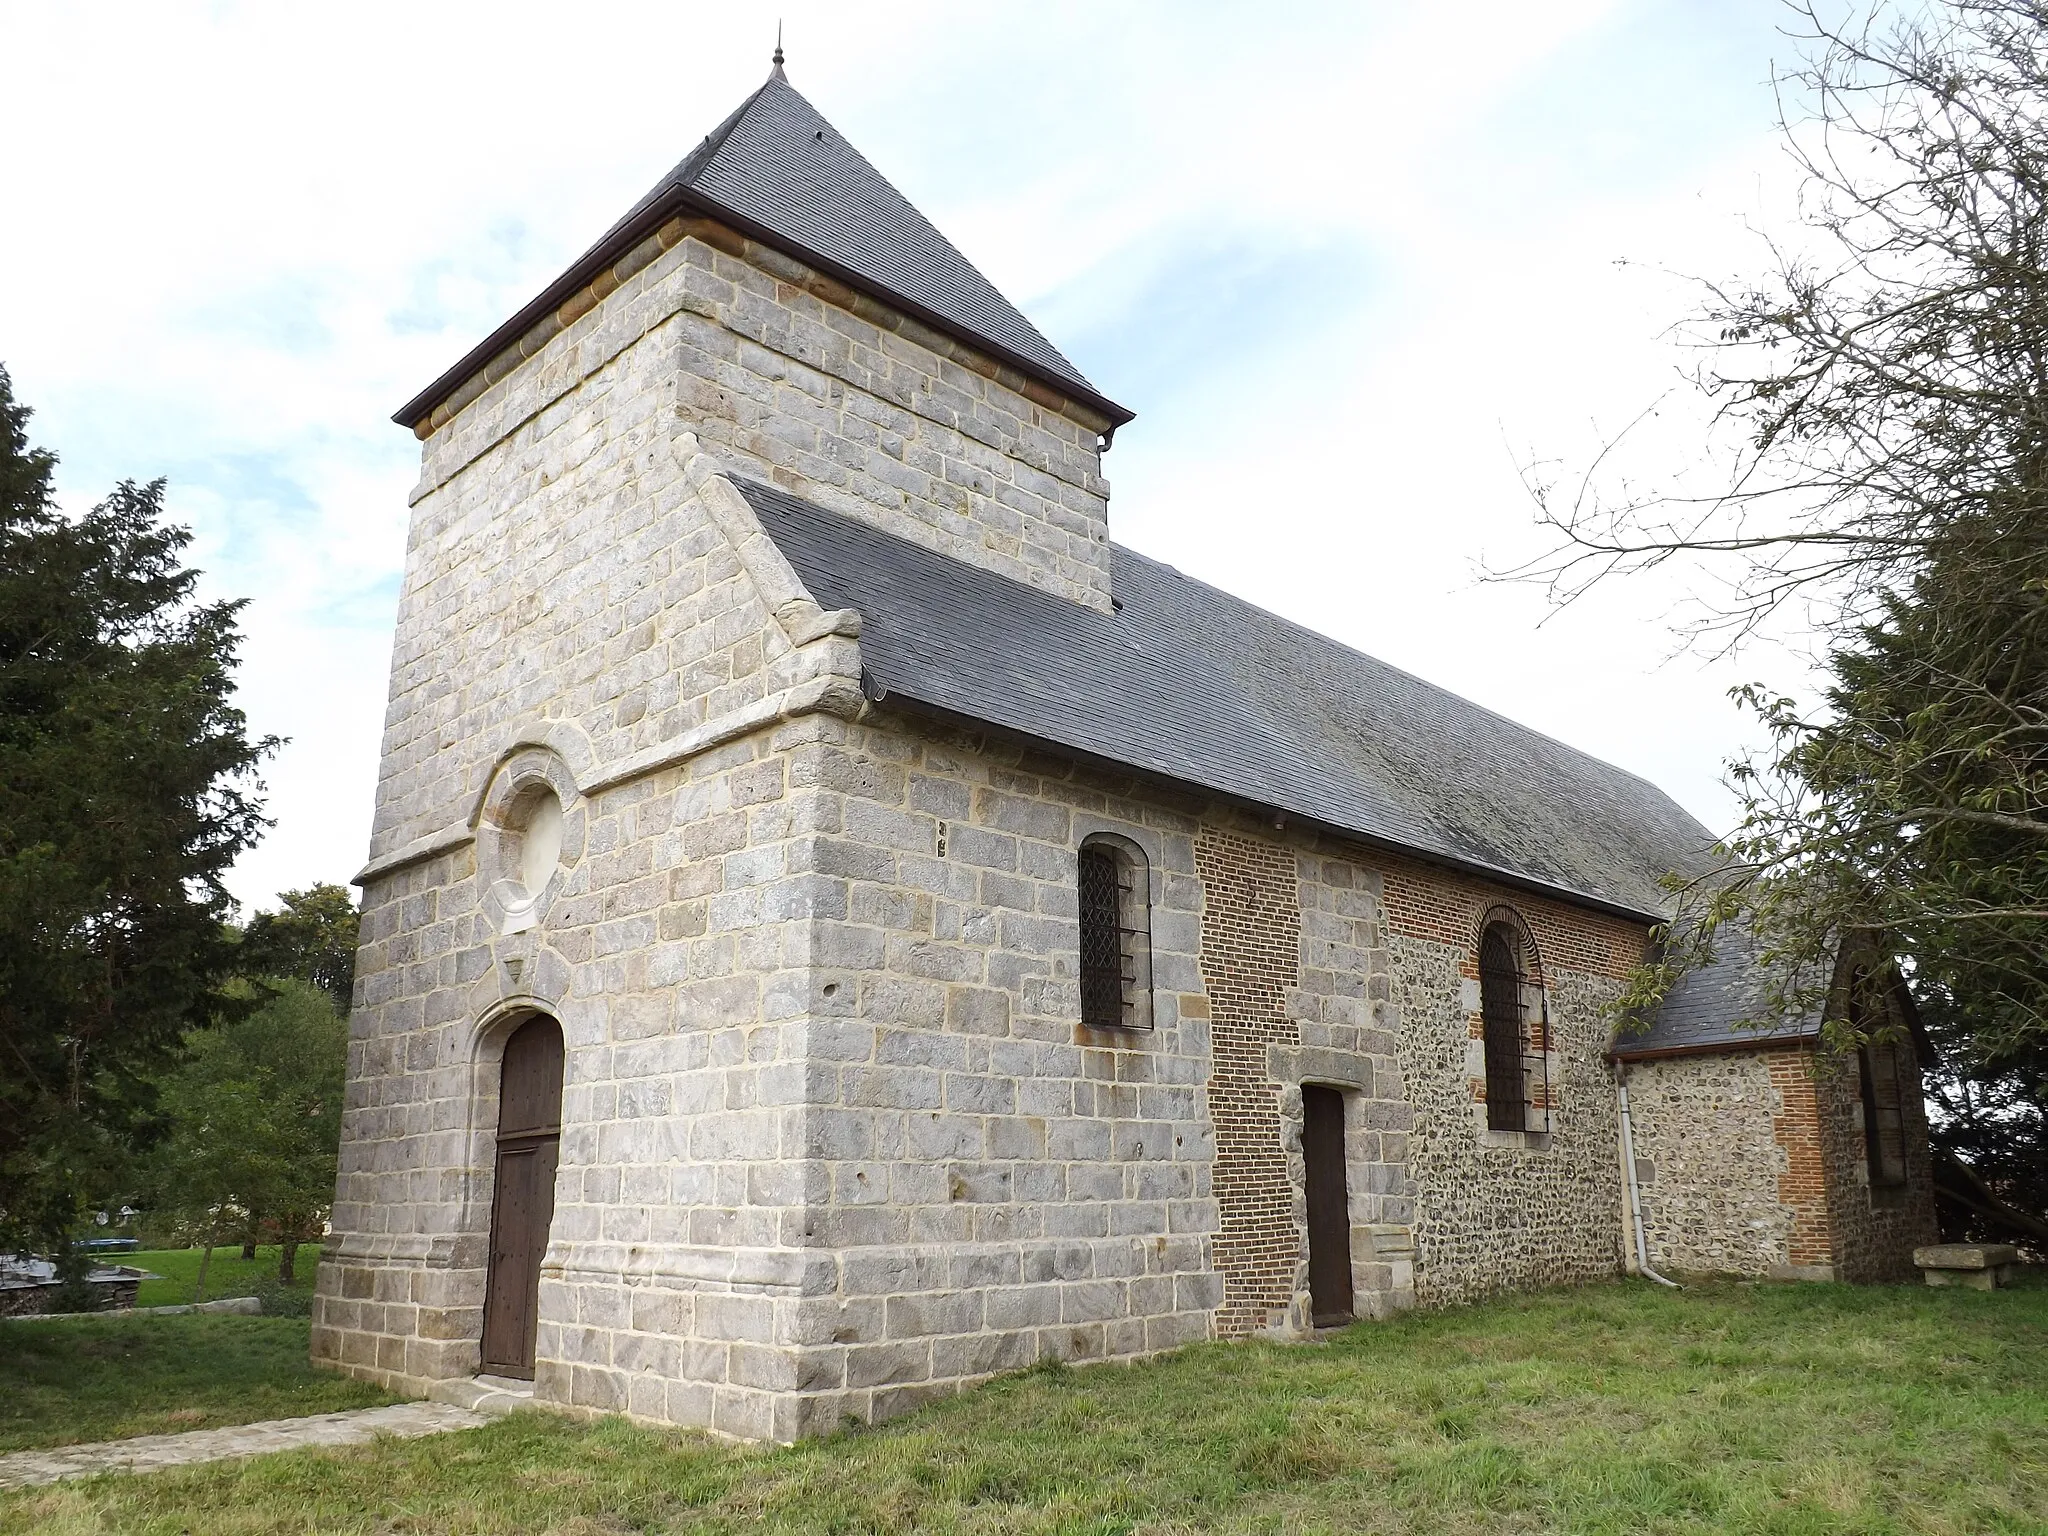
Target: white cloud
{"points": [[1349, 261]]}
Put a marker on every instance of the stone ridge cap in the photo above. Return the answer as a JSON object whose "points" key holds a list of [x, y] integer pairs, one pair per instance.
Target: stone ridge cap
{"points": [[676, 193], [1416, 678]]}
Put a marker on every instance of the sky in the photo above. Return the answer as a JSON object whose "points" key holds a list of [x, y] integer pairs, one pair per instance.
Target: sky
{"points": [[1358, 268]]}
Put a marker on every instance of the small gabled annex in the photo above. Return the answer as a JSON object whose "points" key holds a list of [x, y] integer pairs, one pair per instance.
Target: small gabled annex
{"points": [[1759, 1151]]}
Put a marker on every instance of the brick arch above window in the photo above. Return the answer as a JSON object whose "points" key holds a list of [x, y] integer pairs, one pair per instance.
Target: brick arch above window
{"points": [[1513, 1026], [1528, 956]]}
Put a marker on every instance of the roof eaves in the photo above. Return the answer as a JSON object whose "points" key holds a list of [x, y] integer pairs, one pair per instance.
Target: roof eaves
{"points": [[1118, 415], [1803, 1040], [623, 236]]}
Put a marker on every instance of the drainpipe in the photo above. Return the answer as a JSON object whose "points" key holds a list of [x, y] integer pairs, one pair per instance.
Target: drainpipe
{"points": [[1628, 1173]]}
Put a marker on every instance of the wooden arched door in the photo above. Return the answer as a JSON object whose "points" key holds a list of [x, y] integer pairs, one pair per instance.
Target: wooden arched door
{"points": [[523, 1202]]}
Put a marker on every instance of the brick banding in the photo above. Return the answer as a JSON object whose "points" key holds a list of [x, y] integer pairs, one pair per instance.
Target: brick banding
{"points": [[1251, 943]]}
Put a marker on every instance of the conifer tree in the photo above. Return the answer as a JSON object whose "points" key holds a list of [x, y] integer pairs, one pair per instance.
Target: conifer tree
{"points": [[127, 789]]}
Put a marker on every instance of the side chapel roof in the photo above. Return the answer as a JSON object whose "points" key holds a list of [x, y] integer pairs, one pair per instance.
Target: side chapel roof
{"points": [[1707, 1008], [1723, 1004], [1189, 683], [777, 171]]}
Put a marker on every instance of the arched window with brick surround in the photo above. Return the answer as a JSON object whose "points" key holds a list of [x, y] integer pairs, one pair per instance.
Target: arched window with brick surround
{"points": [[1500, 1009], [1116, 934]]}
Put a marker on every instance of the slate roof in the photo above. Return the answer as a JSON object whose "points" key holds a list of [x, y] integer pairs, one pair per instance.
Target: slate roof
{"points": [[1192, 684], [1706, 1008], [778, 171]]}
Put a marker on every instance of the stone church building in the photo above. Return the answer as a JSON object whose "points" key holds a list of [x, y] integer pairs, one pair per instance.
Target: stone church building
{"points": [[838, 927]]}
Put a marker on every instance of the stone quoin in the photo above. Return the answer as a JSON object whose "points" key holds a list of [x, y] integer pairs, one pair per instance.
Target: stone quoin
{"points": [[734, 1042]]}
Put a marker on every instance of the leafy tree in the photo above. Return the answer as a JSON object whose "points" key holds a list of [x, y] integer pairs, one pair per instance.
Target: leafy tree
{"points": [[255, 1116], [313, 938], [126, 790], [1887, 399]]}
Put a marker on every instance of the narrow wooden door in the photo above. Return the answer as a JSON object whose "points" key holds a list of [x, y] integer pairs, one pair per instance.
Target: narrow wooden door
{"points": [[523, 1201], [1329, 1206]]}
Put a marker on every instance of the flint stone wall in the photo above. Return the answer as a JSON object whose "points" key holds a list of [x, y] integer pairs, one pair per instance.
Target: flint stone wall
{"points": [[1874, 1230], [1495, 1210], [1712, 1160]]}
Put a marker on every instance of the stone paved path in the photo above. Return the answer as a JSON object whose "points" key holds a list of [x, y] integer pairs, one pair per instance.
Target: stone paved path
{"points": [[145, 1453]]}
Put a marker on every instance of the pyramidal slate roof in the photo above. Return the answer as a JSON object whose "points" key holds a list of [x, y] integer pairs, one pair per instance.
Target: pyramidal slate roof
{"points": [[778, 171], [1191, 684]]}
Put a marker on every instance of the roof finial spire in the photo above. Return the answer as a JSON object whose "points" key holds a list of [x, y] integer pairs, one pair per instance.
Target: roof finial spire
{"points": [[776, 73]]}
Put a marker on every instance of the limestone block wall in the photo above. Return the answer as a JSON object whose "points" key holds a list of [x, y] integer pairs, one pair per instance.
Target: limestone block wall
{"points": [[544, 568], [1498, 1210], [996, 1184], [676, 953], [1714, 1160], [573, 598], [790, 376], [566, 573]]}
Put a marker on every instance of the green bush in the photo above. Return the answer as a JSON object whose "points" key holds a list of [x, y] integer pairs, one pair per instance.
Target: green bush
{"points": [[281, 1300]]}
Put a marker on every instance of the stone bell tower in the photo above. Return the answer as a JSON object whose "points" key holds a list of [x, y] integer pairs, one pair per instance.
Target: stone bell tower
{"points": [[603, 829]]}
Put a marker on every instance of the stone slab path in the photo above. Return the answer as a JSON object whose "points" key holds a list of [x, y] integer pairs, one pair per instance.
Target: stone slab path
{"points": [[146, 1453]]}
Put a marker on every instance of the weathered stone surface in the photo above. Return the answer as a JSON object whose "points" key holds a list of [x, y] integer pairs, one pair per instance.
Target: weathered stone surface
{"points": [[1965, 1255], [1981, 1266], [1710, 1165]]}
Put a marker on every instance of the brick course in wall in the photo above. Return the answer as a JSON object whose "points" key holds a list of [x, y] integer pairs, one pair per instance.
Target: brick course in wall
{"points": [[1802, 1177], [1251, 948]]}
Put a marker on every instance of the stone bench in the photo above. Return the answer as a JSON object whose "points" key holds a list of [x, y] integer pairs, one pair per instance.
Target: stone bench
{"points": [[1982, 1266]]}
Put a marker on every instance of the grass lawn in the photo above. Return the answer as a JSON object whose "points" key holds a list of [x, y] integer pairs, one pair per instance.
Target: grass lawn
{"points": [[1617, 1408], [229, 1275], [105, 1378]]}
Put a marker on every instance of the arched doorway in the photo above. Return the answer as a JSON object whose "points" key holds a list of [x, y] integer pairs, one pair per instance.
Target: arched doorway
{"points": [[523, 1201]]}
